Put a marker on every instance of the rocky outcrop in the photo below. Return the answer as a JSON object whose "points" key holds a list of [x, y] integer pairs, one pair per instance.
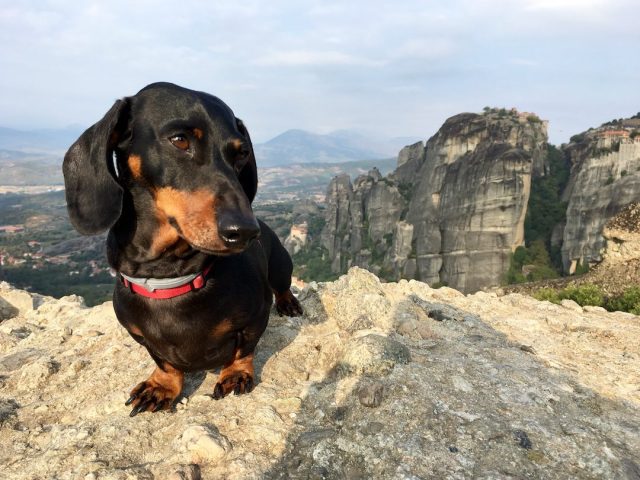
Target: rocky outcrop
{"points": [[376, 380], [453, 210], [297, 238], [620, 265], [622, 233], [605, 177]]}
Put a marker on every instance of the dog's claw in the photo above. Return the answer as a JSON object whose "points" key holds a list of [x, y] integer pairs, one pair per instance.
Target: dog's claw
{"points": [[217, 392], [139, 408], [287, 304], [150, 396], [248, 386], [238, 383]]}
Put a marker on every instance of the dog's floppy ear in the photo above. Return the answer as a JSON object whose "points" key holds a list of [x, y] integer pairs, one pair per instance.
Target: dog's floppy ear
{"points": [[248, 176], [94, 198]]}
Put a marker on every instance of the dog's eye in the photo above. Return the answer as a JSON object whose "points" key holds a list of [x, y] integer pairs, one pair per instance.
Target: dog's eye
{"points": [[180, 141], [243, 154], [241, 158]]}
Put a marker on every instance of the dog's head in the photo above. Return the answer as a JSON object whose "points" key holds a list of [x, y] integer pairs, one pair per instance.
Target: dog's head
{"points": [[185, 149]]}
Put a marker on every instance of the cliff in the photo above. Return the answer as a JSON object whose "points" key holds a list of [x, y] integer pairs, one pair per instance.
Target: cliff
{"points": [[620, 265], [605, 177], [453, 210], [376, 380]]}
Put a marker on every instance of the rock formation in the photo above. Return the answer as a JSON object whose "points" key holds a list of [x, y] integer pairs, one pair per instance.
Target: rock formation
{"points": [[453, 210], [297, 238], [376, 380], [605, 177], [620, 265]]}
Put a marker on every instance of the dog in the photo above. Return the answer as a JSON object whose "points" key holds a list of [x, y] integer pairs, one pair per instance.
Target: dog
{"points": [[171, 174]]}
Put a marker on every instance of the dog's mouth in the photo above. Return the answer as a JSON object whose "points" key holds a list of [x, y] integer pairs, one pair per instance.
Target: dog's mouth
{"points": [[221, 253]]}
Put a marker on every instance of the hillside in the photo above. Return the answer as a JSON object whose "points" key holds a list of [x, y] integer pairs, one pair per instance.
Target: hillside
{"points": [[22, 168], [51, 141], [392, 380], [300, 146], [304, 181]]}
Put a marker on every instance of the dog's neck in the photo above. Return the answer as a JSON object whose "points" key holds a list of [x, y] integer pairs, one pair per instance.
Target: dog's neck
{"points": [[143, 243]]}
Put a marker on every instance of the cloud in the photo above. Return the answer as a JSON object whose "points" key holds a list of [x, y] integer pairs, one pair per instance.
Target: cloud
{"points": [[317, 58], [570, 5], [400, 68]]}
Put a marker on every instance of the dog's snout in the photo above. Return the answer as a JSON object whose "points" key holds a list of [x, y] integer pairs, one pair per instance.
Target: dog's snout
{"points": [[237, 232]]}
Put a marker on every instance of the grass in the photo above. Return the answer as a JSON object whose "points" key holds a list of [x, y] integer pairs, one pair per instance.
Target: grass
{"points": [[589, 294]]}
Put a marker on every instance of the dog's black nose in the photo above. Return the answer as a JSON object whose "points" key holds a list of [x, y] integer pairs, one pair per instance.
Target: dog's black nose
{"points": [[237, 232]]}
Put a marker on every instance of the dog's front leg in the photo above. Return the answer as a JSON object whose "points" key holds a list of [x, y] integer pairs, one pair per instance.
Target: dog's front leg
{"points": [[158, 392], [236, 376]]}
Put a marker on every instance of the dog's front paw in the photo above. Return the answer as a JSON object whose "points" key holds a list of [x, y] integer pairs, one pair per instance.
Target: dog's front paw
{"points": [[287, 304], [156, 393], [236, 382], [236, 377]]}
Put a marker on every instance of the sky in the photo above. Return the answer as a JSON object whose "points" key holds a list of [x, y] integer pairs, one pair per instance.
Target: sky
{"points": [[382, 67]]}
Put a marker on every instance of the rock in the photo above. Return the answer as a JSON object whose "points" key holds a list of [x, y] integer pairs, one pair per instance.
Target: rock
{"points": [[187, 472], [8, 409], [297, 238], [374, 355], [14, 302], [204, 444], [17, 359], [605, 178], [523, 439], [410, 159], [37, 373], [7, 310], [464, 400], [571, 305], [408, 224], [371, 395]]}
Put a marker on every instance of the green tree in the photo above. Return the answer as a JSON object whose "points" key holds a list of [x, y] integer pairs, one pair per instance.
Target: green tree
{"points": [[545, 208], [586, 294]]}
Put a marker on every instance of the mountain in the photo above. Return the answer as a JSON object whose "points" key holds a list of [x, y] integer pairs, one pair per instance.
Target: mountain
{"points": [[51, 141], [451, 213], [605, 178], [34, 157], [24, 168], [486, 201], [309, 180], [300, 146]]}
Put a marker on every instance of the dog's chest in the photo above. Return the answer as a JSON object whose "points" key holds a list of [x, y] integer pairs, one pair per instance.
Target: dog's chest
{"points": [[201, 332]]}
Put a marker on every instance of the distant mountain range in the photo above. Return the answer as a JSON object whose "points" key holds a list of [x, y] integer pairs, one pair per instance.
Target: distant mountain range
{"points": [[33, 157], [300, 146], [51, 141]]}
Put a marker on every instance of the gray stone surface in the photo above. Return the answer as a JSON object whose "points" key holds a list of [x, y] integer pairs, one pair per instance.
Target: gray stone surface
{"points": [[601, 185], [14, 302], [451, 213], [461, 398]]}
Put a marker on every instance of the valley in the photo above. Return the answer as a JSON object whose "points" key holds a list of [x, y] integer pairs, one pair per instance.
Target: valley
{"points": [[485, 202]]}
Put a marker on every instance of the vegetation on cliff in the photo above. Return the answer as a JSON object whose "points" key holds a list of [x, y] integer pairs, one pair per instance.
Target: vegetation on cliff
{"points": [[590, 294], [540, 258]]}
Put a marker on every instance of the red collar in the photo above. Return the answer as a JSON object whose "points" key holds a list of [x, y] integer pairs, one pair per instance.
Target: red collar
{"points": [[196, 284]]}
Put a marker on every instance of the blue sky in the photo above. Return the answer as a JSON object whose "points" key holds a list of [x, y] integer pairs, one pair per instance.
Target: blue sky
{"points": [[391, 68]]}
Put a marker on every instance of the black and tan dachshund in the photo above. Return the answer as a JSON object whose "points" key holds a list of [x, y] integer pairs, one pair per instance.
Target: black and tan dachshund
{"points": [[171, 173]]}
